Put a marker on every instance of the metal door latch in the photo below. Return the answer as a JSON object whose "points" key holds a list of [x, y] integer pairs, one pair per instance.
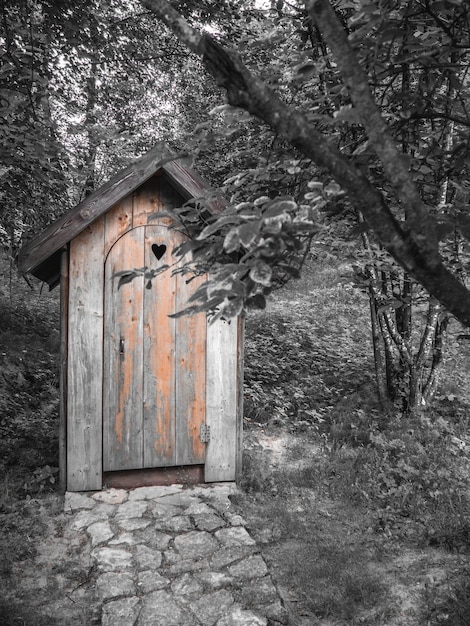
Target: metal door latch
{"points": [[205, 433]]}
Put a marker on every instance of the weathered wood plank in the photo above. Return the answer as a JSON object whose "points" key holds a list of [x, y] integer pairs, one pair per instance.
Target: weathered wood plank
{"points": [[117, 222], [149, 477], [159, 196], [123, 357], [64, 309], [85, 360], [190, 376], [239, 407], [159, 355], [221, 401]]}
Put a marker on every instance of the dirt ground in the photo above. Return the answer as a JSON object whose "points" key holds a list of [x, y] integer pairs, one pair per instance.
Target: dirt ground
{"points": [[330, 566]]}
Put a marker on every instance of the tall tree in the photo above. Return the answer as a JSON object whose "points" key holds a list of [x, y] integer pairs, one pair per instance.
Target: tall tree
{"points": [[31, 174], [83, 89]]}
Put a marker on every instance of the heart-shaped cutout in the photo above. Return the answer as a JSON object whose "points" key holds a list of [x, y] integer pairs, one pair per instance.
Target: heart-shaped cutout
{"points": [[158, 250]]}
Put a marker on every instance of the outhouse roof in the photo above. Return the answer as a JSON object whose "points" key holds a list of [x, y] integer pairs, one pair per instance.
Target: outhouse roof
{"points": [[41, 256]]}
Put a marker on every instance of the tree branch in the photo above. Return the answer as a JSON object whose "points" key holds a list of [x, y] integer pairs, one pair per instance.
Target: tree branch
{"points": [[410, 247], [436, 115], [396, 166]]}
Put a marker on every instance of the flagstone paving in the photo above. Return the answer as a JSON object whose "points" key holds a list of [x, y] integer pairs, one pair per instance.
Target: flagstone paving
{"points": [[173, 556]]}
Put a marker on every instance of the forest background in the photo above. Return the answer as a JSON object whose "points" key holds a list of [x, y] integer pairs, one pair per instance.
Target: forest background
{"points": [[368, 366]]}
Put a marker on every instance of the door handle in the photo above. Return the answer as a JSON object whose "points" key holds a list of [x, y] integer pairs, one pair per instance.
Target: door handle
{"points": [[121, 347]]}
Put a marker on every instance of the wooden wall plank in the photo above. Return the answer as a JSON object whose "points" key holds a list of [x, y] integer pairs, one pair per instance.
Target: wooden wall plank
{"points": [[154, 196], [190, 377], [117, 222], [64, 309], [85, 360], [123, 357], [239, 407], [221, 401], [159, 355]]}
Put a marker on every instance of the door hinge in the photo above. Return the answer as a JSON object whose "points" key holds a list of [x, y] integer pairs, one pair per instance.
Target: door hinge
{"points": [[205, 433]]}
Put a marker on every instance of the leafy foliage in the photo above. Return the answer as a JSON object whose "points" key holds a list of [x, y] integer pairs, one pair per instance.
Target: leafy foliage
{"points": [[31, 177], [307, 369], [315, 356], [29, 345], [408, 52], [83, 90], [383, 187]]}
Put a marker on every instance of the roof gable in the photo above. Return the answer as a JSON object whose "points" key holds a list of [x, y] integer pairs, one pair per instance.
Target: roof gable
{"points": [[41, 255]]}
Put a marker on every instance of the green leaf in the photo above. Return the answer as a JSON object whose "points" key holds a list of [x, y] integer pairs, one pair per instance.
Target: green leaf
{"points": [[314, 184], [279, 207], [333, 189], [232, 241], [231, 307], [127, 277], [215, 226], [312, 195], [261, 200], [347, 113], [258, 301], [261, 273], [248, 233]]}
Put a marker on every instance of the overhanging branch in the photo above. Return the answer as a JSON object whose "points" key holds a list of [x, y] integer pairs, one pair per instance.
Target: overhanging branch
{"points": [[414, 249], [395, 165]]}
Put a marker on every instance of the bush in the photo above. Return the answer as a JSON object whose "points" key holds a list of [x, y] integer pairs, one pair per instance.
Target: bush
{"points": [[447, 601], [414, 475], [29, 390]]}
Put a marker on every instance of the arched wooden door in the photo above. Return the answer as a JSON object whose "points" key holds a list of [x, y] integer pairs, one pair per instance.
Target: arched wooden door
{"points": [[154, 366]]}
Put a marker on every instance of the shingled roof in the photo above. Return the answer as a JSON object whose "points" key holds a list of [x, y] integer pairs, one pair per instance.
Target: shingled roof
{"points": [[41, 255]]}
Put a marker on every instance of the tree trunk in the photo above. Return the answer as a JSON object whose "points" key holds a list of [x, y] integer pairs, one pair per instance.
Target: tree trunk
{"points": [[380, 367]]}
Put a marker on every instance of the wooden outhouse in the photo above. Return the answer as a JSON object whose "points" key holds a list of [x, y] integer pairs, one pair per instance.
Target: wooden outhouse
{"points": [[145, 398]]}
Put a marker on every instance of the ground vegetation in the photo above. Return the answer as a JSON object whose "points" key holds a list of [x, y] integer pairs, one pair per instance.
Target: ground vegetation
{"points": [[362, 519]]}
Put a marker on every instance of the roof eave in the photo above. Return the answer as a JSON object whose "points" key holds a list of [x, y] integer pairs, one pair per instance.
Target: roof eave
{"points": [[73, 222], [41, 255]]}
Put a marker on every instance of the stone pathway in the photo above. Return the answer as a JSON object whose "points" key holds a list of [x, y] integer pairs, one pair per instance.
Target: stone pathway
{"points": [[174, 556]]}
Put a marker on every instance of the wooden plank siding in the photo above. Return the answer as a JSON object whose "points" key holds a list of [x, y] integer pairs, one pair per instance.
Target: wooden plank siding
{"points": [[159, 355], [191, 342], [239, 405], [117, 222], [85, 360], [64, 314], [222, 395], [123, 357]]}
